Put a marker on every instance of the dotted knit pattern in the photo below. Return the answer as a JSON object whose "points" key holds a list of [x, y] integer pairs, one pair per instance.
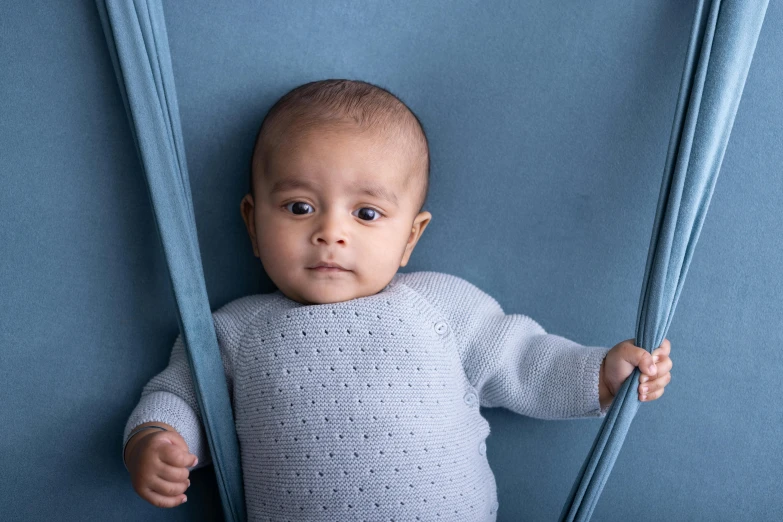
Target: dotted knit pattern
{"points": [[368, 409]]}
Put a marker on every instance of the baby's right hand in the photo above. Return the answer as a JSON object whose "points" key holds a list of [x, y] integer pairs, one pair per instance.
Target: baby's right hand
{"points": [[158, 465]]}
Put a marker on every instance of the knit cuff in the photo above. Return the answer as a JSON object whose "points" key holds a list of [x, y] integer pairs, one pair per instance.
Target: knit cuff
{"points": [[594, 356], [166, 407]]}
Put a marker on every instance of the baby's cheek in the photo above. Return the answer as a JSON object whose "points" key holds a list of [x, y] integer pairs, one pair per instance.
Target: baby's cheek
{"points": [[278, 247]]}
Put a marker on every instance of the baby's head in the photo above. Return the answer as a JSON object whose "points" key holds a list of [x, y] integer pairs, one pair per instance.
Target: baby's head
{"points": [[339, 174]]}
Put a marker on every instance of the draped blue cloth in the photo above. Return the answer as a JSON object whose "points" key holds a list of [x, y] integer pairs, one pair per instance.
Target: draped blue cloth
{"points": [[136, 35], [723, 40], [722, 43]]}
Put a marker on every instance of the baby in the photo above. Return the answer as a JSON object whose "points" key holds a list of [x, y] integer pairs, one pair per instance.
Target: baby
{"points": [[356, 389]]}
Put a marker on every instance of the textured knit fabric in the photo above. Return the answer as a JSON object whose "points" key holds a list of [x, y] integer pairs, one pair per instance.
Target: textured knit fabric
{"points": [[368, 409]]}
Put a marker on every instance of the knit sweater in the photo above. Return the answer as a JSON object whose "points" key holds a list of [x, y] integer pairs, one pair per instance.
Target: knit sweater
{"points": [[368, 409]]}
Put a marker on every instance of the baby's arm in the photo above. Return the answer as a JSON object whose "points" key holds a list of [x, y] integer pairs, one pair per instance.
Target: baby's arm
{"points": [[509, 358], [517, 365], [169, 398]]}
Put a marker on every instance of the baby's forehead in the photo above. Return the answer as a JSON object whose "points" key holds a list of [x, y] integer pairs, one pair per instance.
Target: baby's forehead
{"points": [[391, 134], [388, 144], [392, 144]]}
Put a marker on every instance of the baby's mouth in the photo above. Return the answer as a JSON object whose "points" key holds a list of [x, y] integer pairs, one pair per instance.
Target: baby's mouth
{"points": [[328, 269], [328, 266]]}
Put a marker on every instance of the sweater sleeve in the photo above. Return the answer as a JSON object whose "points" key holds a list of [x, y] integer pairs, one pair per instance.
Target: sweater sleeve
{"points": [[509, 358], [170, 396]]}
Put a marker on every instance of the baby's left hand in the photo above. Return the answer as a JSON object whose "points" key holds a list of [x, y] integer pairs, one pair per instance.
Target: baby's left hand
{"points": [[623, 358]]}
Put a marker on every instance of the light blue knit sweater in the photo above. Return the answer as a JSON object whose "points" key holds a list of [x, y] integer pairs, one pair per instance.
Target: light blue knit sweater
{"points": [[369, 409]]}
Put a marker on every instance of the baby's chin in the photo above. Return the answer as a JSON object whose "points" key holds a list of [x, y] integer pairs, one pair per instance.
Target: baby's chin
{"points": [[328, 291]]}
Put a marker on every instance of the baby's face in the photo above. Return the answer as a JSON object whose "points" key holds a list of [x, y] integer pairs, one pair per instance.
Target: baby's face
{"points": [[310, 209]]}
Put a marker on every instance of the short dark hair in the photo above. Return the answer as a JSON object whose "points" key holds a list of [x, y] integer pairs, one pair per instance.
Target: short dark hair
{"points": [[337, 100]]}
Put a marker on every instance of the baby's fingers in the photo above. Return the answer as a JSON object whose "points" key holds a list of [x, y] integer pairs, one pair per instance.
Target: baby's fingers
{"points": [[165, 501], [664, 349], [163, 493], [663, 364], [651, 396], [652, 390], [176, 457], [172, 473]]}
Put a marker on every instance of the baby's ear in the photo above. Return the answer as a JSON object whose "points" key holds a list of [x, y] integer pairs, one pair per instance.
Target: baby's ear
{"points": [[247, 209], [419, 224], [246, 205]]}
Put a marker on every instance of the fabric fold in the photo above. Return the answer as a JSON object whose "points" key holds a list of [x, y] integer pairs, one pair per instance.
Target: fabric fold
{"points": [[136, 36], [723, 40]]}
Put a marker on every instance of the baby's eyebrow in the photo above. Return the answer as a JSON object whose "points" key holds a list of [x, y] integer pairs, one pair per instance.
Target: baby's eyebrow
{"points": [[289, 184], [377, 191], [371, 189]]}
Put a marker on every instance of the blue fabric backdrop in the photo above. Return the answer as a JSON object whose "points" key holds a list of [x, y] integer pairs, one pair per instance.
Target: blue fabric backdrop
{"points": [[566, 110]]}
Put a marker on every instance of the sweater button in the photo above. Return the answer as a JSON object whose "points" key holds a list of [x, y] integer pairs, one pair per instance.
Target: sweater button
{"points": [[441, 328], [470, 398], [494, 508], [482, 448]]}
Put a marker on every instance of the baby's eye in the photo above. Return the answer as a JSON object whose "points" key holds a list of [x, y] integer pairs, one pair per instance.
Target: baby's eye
{"points": [[300, 205], [370, 212], [373, 214]]}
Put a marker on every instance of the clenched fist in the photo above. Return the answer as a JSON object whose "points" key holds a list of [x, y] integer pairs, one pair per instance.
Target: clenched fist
{"points": [[158, 464], [623, 359]]}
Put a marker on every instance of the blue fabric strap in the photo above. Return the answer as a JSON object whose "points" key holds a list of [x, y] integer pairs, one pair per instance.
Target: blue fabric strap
{"points": [[723, 39], [136, 35]]}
